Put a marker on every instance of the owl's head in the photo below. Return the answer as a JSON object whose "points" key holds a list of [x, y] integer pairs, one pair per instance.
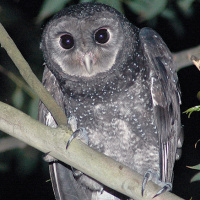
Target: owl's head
{"points": [[86, 39]]}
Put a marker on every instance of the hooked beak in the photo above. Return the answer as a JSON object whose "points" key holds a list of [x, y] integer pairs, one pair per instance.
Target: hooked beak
{"points": [[88, 62]]}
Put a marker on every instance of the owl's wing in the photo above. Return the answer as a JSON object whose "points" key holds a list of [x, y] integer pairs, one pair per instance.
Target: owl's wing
{"points": [[50, 83], [165, 94], [64, 185]]}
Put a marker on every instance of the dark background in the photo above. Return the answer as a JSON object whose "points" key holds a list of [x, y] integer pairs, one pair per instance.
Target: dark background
{"points": [[23, 173]]}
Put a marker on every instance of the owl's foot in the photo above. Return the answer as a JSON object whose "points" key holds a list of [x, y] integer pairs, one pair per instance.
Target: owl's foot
{"points": [[49, 158], [76, 172], [167, 187], [80, 134], [153, 174]]}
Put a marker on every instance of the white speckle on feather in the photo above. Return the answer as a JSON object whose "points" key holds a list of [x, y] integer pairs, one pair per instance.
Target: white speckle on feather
{"points": [[152, 92]]}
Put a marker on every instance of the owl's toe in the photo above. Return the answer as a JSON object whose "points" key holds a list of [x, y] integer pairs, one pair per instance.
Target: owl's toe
{"points": [[165, 188], [80, 134], [49, 158], [152, 174], [76, 172], [147, 177]]}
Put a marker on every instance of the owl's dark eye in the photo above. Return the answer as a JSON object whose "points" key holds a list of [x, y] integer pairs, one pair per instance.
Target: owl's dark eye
{"points": [[66, 41], [102, 36]]}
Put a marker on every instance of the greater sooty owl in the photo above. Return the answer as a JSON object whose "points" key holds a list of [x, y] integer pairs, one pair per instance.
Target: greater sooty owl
{"points": [[118, 82]]}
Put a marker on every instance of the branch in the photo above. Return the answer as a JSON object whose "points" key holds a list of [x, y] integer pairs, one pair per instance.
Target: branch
{"points": [[182, 58], [9, 143], [195, 61], [25, 70], [78, 155]]}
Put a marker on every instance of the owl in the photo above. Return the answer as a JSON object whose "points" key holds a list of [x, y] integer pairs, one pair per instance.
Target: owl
{"points": [[118, 83]]}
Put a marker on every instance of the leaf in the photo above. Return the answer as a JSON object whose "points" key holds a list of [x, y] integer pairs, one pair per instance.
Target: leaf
{"points": [[186, 7], [147, 9], [113, 3], [174, 20], [27, 159], [185, 4], [18, 98], [83, 1], [191, 110], [137, 7], [198, 95], [169, 14], [195, 177], [197, 167], [50, 7]]}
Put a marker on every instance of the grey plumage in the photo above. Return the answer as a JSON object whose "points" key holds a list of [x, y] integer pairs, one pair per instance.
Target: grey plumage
{"points": [[123, 90]]}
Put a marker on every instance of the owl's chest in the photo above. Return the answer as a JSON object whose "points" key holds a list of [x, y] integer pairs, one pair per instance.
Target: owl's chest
{"points": [[121, 127], [120, 117]]}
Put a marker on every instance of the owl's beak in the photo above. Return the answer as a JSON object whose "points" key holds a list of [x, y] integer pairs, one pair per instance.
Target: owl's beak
{"points": [[88, 63]]}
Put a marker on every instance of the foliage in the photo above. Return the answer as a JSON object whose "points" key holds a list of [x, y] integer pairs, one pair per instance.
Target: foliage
{"points": [[191, 110], [146, 10], [196, 177], [50, 7]]}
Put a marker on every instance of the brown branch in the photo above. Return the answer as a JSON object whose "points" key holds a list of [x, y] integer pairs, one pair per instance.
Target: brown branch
{"points": [[25, 70]]}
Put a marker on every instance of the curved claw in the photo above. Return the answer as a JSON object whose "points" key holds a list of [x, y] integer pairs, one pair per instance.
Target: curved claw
{"points": [[74, 135], [147, 177], [166, 187], [81, 133]]}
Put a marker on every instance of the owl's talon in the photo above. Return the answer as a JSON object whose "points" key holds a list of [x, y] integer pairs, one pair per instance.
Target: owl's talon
{"points": [[147, 177], [167, 187], [74, 135], [81, 134]]}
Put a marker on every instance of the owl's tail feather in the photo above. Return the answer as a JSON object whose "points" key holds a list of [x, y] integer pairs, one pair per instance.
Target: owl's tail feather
{"points": [[64, 185]]}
